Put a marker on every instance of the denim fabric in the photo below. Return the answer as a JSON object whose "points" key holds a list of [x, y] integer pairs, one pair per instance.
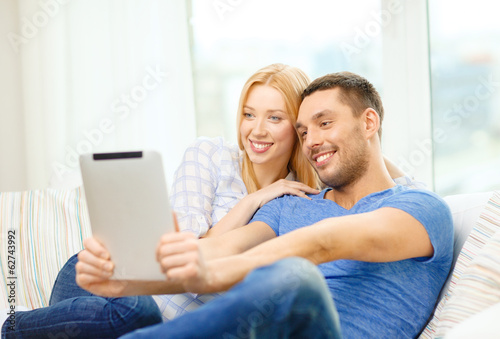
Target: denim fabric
{"points": [[76, 313], [288, 299]]}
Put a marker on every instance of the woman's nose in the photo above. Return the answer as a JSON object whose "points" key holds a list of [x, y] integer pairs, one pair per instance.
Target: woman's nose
{"points": [[260, 128]]}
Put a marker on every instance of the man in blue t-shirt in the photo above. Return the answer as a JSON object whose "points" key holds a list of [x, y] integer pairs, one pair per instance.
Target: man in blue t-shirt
{"points": [[383, 251]]}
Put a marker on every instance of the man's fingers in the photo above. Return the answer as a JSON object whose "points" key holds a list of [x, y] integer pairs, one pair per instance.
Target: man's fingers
{"points": [[183, 273], [171, 243], [107, 288], [85, 280], [95, 247], [102, 272], [88, 259], [178, 260], [168, 238], [188, 245]]}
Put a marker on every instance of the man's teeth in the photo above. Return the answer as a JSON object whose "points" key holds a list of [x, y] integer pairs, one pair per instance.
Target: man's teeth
{"points": [[324, 157], [261, 146]]}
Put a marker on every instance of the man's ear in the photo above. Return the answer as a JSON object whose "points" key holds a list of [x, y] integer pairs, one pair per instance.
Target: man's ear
{"points": [[372, 122]]}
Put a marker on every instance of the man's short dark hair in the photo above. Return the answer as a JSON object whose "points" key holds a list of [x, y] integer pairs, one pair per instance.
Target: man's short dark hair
{"points": [[356, 92]]}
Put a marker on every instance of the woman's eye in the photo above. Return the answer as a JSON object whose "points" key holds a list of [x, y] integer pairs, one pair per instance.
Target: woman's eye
{"points": [[247, 115], [275, 118]]}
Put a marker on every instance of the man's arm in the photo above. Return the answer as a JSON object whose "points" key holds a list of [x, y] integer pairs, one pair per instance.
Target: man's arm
{"points": [[384, 235], [178, 250]]}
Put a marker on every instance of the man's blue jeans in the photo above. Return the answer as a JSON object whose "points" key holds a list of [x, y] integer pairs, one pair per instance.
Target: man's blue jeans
{"points": [[288, 299], [76, 313]]}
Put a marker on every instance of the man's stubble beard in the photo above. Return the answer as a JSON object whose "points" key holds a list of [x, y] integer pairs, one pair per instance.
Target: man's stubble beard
{"points": [[352, 165]]}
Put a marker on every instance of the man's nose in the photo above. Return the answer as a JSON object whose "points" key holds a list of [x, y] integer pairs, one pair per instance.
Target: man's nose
{"points": [[312, 139]]}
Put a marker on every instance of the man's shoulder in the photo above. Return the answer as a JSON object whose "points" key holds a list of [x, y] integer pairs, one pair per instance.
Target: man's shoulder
{"points": [[400, 192], [426, 206], [411, 200]]}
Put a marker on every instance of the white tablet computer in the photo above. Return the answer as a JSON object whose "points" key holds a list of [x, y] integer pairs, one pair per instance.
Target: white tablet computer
{"points": [[129, 209]]}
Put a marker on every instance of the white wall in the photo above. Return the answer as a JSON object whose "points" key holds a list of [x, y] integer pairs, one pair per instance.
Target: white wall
{"points": [[120, 81], [12, 161]]}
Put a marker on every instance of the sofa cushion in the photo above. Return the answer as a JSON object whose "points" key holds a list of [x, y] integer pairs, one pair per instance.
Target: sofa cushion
{"points": [[46, 227], [465, 210], [485, 227]]}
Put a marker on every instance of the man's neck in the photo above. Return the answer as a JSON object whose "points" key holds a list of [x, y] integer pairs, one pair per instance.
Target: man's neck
{"points": [[375, 179]]}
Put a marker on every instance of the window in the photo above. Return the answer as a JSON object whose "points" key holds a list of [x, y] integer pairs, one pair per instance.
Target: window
{"points": [[465, 76], [437, 71], [233, 39]]}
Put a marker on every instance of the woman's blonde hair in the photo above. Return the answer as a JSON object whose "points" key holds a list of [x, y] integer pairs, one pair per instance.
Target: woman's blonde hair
{"points": [[290, 82]]}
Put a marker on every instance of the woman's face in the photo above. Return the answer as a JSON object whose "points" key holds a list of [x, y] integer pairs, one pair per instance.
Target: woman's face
{"points": [[267, 133]]}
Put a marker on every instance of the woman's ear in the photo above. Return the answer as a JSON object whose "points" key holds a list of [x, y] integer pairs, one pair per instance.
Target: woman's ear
{"points": [[372, 122]]}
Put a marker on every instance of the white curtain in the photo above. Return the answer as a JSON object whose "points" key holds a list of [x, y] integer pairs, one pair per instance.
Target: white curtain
{"points": [[100, 76]]}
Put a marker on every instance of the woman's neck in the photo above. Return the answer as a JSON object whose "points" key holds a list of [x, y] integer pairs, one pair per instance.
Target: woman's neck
{"points": [[268, 174]]}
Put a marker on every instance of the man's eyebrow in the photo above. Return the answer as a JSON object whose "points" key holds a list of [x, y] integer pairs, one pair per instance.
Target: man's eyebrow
{"points": [[321, 114], [316, 116]]}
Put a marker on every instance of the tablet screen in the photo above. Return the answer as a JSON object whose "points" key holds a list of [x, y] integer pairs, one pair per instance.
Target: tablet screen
{"points": [[129, 209]]}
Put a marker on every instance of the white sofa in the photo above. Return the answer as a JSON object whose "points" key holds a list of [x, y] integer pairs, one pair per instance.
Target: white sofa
{"points": [[50, 225]]}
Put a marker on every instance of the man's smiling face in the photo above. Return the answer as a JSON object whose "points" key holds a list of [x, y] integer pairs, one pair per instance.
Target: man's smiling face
{"points": [[332, 138]]}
